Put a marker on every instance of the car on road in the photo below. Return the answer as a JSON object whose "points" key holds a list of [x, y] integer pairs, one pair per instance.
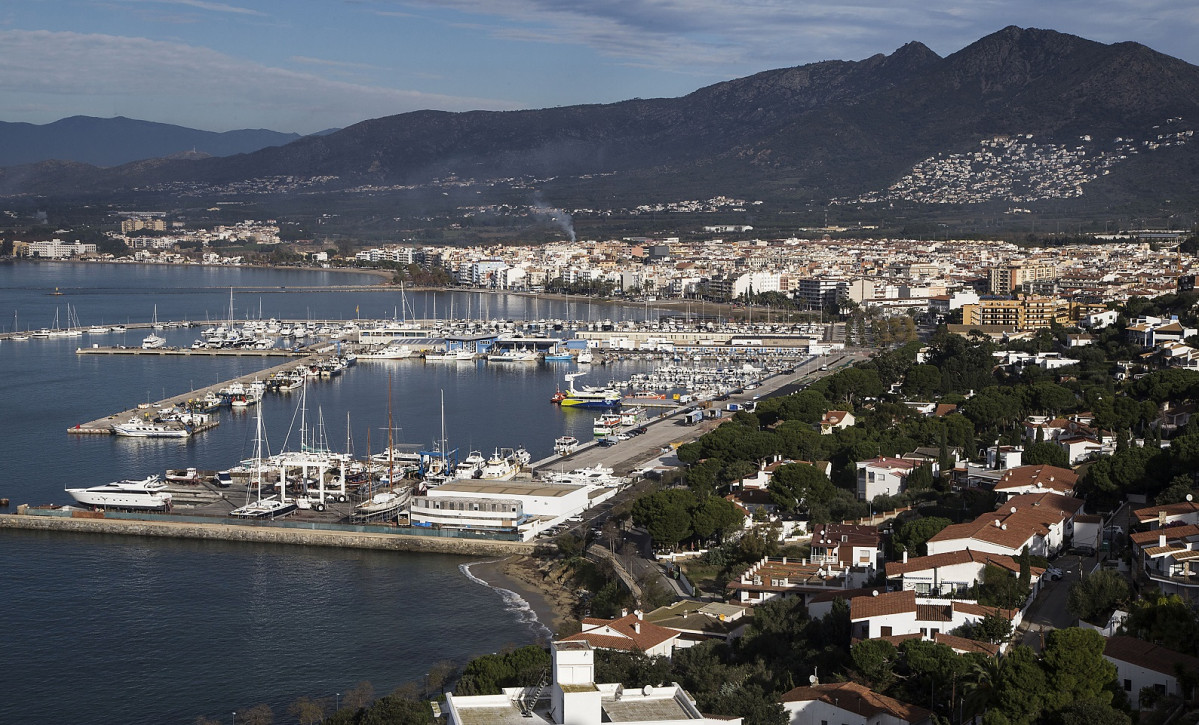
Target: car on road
{"points": [[1083, 550], [1053, 573], [608, 441], [620, 436], [639, 431], [1113, 531]]}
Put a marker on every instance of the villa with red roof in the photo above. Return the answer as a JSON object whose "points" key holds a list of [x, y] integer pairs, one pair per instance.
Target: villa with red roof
{"points": [[884, 475], [629, 633], [849, 702], [1043, 522]]}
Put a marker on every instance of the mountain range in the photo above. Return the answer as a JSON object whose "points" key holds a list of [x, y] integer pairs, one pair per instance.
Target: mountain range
{"points": [[120, 140], [849, 132]]}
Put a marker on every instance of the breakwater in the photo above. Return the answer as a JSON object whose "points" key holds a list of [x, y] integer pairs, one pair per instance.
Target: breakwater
{"points": [[309, 535]]}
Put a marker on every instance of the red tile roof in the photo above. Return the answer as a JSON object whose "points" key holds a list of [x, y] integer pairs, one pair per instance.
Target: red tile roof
{"points": [[882, 604], [622, 635], [1150, 656], [1046, 477], [1150, 513], [855, 698]]}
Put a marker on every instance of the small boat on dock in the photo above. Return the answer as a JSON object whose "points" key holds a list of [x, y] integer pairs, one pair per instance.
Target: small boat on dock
{"points": [[566, 445], [141, 428]]}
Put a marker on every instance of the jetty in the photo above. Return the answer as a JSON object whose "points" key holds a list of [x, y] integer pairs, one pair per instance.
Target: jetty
{"points": [[103, 426]]}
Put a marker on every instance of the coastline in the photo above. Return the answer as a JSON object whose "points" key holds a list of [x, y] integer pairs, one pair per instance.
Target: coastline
{"points": [[523, 578]]}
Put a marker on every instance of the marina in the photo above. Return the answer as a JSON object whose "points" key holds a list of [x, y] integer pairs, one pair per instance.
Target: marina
{"points": [[467, 405]]}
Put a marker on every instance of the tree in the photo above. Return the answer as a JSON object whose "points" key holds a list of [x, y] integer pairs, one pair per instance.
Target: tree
{"points": [[1023, 688], [1075, 665], [1180, 487], [631, 669], [666, 515], [1047, 453], [911, 535], [307, 710], [359, 696], [1092, 712], [716, 516], [874, 659], [795, 486], [1097, 594], [257, 715], [1000, 589], [396, 709]]}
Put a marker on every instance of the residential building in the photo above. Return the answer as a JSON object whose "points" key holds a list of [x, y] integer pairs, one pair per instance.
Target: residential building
{"points": [[835, 420], [1006, 278], [1043, 522], [783, 577], [1166, 558], [629, 633], [1141, 665], [950, 573], [697, 622], [842, 703], [574, 698], [885, 614], [884, 475], [1035, 479], [847, 545]]}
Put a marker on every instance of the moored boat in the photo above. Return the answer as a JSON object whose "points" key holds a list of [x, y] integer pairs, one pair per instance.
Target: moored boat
{"points": [[147, 494]]}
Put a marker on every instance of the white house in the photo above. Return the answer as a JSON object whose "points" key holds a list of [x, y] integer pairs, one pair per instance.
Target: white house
{"points": [[1140, 664], [629, 632], [883, 476], [887, 614], [952, 572], [835, 420], [1035, 479], [574, 698], [1044, 522], [847, 545], [848, 702]]}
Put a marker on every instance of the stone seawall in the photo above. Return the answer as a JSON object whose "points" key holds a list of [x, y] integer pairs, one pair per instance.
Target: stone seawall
{"points": [[270, 535]]}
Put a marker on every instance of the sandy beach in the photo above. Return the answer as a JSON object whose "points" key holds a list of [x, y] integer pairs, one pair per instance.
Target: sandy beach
{"points": [[523, 576]]}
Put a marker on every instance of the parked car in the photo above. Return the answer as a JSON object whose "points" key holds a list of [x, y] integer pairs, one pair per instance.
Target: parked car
{"points": [[1054, 574], [639, 431], [1083, 550], [608, 441]]}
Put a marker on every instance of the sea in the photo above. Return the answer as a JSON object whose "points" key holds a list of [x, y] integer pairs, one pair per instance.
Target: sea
{"points": [[123, 629]]}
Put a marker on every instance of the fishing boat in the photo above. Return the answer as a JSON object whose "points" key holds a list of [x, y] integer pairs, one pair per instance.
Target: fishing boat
{"points": [[585, 357], [146, 494], [558, 357]]}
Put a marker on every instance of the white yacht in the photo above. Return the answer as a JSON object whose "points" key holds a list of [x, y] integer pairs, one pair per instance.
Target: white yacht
{"points": [[147, 493], [498, 468], [153, 342], [138, 428], [391, 352]]}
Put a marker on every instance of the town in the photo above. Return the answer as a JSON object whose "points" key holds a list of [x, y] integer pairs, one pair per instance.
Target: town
{"points": [[990, 518]]}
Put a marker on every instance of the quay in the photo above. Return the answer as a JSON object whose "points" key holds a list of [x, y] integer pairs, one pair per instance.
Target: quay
{"points": [[286, 532], [189, 352], [103, 426]]}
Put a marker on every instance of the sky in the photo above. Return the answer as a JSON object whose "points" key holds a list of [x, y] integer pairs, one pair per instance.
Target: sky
{"points": [[308, 65]]}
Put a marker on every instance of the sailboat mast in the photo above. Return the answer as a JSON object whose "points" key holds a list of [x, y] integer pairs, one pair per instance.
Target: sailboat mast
{"points": [[390, 444]]}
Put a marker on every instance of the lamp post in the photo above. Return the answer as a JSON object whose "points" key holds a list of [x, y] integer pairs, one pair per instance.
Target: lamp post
{"points": [[336, 701], [235, 717]]}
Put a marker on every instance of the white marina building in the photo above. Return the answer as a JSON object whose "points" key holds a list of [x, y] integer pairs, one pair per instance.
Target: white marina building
{"points": [[522, 507]]}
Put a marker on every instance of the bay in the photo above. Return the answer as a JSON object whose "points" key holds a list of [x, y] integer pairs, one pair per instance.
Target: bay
{"points": [[107, 629]]}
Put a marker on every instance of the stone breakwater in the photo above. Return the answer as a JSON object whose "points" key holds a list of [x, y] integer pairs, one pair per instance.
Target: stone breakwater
{"points": [[270, 535]]}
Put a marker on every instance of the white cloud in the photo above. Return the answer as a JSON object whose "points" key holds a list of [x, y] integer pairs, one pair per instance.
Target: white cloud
{"points": [[727, 36], [110, 75]]}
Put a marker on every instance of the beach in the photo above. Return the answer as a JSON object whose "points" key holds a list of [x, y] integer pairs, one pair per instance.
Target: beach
{"points": [[524, 577]]}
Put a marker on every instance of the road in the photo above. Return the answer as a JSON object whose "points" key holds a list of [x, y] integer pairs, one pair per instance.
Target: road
{"points": [[662, 434]]}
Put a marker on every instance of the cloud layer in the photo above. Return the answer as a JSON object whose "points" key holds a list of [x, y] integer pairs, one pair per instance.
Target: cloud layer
{"points": [[174, 83]]}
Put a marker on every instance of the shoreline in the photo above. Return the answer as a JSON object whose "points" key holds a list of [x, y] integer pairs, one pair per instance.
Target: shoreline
{"points": [[522, 578]]}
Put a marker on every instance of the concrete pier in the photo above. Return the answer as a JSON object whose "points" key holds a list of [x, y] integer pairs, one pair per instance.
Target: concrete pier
{"points": [[267, 534]]}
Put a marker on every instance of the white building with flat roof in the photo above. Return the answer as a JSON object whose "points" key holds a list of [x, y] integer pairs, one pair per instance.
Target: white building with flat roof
{"points": [[524, 507], [574, 698]]}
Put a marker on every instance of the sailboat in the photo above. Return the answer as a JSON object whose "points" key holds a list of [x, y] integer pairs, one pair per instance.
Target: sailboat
{"points": [[263, 508], [153, 341], [385, 505], [16, 331]]}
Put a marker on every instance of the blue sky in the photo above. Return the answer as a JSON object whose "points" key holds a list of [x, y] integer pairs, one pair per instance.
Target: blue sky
{"points": [[307, 65]]}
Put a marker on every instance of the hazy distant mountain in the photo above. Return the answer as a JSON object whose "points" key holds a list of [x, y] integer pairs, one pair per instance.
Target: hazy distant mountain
{"points": [[830, 130], [115, 141]]}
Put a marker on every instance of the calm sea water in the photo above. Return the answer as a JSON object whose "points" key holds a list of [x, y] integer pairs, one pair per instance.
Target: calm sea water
{"points": [[115, 629]]}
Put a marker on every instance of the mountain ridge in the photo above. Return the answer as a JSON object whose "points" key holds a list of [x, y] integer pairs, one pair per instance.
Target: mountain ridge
{"points": [[807, 133]]}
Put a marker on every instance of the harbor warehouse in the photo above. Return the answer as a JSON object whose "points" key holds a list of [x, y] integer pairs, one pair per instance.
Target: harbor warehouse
{"points": [[524, 506]]}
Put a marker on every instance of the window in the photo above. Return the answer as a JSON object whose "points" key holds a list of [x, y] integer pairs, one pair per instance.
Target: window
{"points": [[1128, 685], [884, 631], [1159, 688]]}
